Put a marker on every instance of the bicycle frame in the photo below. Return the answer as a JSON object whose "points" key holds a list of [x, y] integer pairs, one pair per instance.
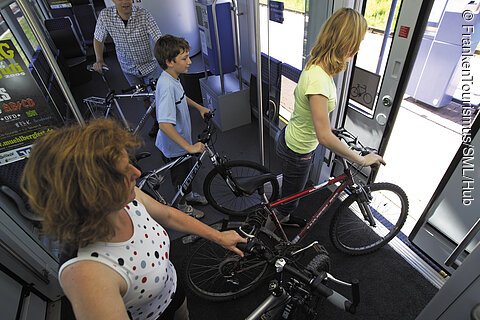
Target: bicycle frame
{"points": [[144, 118], [346, 179], [113, 97], [191, 175]]}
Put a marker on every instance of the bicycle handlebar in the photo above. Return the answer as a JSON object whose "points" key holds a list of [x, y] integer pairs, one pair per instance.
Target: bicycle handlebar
{"points": [[142, 87], [331, 295], [137, 89], [314, 282], [206, 134], [91, 69], [352, 141]]}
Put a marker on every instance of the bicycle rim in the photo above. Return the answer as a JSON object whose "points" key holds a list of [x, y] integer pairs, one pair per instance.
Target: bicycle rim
{"points": [[352, 234], [221, 197], [217, 274]]}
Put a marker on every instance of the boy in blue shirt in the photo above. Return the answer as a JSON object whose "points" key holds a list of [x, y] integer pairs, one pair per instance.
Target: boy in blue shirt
{"points": [[174, 138]]}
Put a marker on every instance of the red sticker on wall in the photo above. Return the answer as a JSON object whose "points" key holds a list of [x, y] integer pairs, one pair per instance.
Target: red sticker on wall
{"points": [[404, 30]]}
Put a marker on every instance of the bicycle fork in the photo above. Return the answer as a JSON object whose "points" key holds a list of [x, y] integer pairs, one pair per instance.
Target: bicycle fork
{"points": [[120, 113], [365, 198], [144, 118]]}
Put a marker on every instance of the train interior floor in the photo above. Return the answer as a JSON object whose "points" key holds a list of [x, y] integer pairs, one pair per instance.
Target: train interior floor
{"points": [[390, 287]]}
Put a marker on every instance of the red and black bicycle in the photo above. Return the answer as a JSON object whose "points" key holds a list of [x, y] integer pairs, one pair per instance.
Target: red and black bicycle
{"points": [[368, 217]]}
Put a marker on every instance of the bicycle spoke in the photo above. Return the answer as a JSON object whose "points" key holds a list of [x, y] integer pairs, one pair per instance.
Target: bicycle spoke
{"points": [[218, 274], [352, 233]]}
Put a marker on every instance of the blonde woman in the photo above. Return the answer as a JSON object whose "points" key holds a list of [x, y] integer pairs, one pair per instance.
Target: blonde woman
{"points": [[315, 97], [80, 180]]}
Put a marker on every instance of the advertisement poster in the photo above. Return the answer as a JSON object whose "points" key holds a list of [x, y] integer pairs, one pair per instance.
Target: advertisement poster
{"points": [[24, 112]]}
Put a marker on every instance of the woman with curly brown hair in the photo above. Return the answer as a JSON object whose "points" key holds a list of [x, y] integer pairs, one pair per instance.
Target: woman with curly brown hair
{"points": [[80, 180]]}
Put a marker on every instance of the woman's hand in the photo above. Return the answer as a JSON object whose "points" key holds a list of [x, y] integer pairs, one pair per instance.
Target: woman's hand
{"points": [[229, 239], [373, 159]]}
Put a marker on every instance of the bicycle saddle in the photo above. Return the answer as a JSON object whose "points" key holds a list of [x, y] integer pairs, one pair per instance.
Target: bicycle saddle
{"points": [[251, 184]]}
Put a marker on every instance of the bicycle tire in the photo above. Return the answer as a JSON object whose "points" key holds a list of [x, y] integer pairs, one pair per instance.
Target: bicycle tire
{"points": [[367, 98], [354, 92], [352, 234], [207, 263], [220, 196]]}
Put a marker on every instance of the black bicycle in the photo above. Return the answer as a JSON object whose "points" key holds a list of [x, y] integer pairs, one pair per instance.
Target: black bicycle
{"points": [[368, 218], [225, 180], [299, 274]]}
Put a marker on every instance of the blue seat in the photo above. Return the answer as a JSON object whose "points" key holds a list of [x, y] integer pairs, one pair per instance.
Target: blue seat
{"points": [[87, 19], [65, 37]]}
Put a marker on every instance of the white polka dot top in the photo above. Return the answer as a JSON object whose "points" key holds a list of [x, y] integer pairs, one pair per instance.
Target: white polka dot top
{"points": [[142, 261]]}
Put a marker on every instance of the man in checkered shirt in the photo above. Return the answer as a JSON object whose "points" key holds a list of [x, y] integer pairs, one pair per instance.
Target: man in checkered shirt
{"points": [[131, 28]]}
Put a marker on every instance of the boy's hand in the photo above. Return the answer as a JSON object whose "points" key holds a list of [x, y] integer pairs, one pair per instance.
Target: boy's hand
{"points": [[203, 111], [195, 148]]}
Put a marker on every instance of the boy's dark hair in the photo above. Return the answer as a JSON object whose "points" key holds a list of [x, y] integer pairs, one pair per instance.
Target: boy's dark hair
{"points": [[168, 47]]}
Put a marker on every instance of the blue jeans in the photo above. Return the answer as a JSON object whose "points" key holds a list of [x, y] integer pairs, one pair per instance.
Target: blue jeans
{"points": [[295, 169]]}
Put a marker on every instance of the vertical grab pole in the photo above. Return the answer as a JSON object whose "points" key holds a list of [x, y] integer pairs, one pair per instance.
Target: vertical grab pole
{"points": [[259, 79], [217, 42], [41, 38], [237, 43]]}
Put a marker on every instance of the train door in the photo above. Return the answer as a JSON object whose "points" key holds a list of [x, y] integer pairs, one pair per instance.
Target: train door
{"points": [[372, 91], [379, 107]]}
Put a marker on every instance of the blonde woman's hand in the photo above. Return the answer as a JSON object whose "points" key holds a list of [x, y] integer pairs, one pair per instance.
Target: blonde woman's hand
{"points": [[373, 159]]}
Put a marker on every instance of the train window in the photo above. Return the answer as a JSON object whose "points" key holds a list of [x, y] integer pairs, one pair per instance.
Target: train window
{"points": [[285, 40], [290, 76]]}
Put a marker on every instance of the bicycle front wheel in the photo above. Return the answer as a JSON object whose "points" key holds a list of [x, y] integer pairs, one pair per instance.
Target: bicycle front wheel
{"points": [[221, 196], [351, 233], [217, 274]]}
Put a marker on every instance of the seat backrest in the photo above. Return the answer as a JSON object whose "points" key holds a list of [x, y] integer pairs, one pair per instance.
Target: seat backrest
{"points": [[64, 37], [68, 12], [10, 175], [87, 20], [40, 70]]}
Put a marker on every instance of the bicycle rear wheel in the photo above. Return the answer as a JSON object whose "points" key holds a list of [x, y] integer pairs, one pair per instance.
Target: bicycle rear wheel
{"points": [[351, 233], [217, 274], [221, 197]]}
